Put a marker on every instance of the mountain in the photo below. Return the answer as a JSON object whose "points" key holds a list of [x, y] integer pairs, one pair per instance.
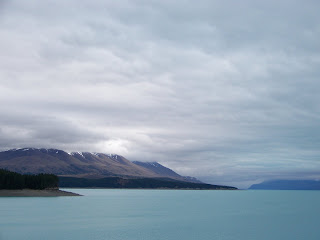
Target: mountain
{"points": [[287, 185], [82, 164], [86, 169], [55, 161], [157, 168]]}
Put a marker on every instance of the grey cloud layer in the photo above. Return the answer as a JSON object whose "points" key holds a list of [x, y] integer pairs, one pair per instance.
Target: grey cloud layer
{"points": [[219, 90]]}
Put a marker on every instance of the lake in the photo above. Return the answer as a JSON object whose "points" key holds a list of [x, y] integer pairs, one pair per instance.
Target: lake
{"points": [[104, 214]]}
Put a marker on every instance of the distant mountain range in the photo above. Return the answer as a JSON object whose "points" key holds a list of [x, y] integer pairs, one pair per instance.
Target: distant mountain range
{"points": [[88, 165], [287, 185]]}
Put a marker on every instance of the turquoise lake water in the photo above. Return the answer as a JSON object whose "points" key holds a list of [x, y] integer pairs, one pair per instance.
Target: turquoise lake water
{"points": [[163, 214]]}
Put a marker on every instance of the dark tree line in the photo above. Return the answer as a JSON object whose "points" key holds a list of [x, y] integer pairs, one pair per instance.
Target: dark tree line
{"points": [[13, 180], [151, 183]]}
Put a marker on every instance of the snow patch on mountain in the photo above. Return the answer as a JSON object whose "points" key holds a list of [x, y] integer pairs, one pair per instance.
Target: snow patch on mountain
{"points": [[113, 156]]}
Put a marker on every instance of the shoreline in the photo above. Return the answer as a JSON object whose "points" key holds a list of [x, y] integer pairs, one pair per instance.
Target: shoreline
{"points": [[185, 189], [35, 193]]}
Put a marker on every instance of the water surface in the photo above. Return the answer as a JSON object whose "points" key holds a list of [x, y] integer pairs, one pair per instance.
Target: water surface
{"points": [[163, 214]]}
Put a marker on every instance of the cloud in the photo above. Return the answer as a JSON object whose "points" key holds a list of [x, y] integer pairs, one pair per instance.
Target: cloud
{"points": [[217, 90]]}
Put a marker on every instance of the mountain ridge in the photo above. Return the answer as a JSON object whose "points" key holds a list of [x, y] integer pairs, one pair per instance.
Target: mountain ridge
{"points": [[158, 168], [285, 184], [81, 164]]}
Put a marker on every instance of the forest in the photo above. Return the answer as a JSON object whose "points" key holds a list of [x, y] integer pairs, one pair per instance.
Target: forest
{"points": [[13, 180]]}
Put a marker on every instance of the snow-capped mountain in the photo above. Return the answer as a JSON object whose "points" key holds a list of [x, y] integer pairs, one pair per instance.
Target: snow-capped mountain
{"points": [[82, 164]]}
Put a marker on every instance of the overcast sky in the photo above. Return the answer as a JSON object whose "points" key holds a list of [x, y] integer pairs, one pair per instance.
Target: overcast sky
{"points": [[228, 91]]}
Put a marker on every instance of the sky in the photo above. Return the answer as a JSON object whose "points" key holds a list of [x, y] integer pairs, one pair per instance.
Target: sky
{"points": [[227, 91]]}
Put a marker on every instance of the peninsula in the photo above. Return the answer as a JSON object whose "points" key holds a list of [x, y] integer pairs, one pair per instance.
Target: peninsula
{"points": [[13, 184]]}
